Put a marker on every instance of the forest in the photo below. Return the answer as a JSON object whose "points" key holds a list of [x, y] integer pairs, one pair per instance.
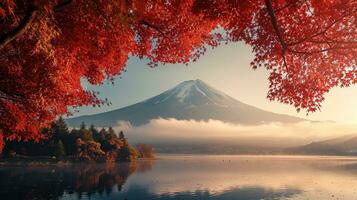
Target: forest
{"points": [[83, 144]]}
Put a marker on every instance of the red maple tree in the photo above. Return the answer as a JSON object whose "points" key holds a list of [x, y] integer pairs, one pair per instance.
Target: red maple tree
{"points": [[48, 46]]}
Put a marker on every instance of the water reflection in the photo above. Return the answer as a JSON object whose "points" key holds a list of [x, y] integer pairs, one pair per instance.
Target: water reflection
{"points": [[246, 193], [79, 181], [188, 177], [279, 177]]}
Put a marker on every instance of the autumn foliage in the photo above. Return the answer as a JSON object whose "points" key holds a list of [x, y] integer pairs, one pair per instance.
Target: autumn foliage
{"points": [[83, 145], [48, 46], [145, 150]]}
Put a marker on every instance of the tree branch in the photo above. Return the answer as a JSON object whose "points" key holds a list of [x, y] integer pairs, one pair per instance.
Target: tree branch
{"points": [[62, 5], [20, 29], [275, 24], [323, 50], [277, 31], [26, 23], [323, 31], [148, 24]]}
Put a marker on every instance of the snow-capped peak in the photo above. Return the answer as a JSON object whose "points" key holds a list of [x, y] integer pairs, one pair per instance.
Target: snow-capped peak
{"points": [[193, 93], [185, 89], [189, 100]]}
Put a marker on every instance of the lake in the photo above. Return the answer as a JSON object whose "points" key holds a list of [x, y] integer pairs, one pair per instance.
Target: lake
{"points": [[188, 177]]}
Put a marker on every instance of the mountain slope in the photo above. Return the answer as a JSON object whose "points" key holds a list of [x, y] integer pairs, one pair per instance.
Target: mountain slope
{"points": [[192, 99], [346, 145]]}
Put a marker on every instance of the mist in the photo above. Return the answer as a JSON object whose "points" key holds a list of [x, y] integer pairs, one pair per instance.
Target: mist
{"points": [[173, 131]]}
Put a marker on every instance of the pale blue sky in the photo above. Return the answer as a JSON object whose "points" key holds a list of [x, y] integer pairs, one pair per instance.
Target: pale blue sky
{"points": [[226, 68]]}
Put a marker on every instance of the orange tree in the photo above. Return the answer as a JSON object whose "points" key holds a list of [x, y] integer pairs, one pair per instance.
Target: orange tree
{"points": [[48, 46]]}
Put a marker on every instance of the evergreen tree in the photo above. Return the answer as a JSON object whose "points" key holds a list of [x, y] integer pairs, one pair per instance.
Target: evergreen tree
{"points": [[93, 130], [124, 153], [111, 132], [83, 126], [101, 135], [85, 135], [59, 150], [59, 129], [121, 135], [62, 126]]}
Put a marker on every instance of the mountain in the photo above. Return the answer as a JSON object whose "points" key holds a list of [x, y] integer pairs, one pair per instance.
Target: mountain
{"points": [[192, 99], [346, 145]]}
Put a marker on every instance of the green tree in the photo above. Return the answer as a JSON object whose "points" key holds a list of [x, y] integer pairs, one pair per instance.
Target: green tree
{"points": [[61, 124], [59, 129], [93, 130], [124, 153], [100, 136], [83, 126], [121, 135], [127, 153], [85, 134], [111, 133], [59, 150]]}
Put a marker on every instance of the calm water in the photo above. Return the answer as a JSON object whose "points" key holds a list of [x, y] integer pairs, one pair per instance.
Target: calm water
{"points": [[189, 177]]}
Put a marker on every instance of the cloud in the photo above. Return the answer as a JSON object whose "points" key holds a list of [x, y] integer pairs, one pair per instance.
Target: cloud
{"points": [[173, 130], [124, 126]]}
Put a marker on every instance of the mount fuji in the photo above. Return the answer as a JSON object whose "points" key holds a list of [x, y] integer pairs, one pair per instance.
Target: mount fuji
{"points": [[189, 100]]}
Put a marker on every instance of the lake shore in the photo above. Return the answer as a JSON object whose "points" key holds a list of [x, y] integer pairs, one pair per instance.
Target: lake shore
{"points": [[49, 161], [69, 160]]}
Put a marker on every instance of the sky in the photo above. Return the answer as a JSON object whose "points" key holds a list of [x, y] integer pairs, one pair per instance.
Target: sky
{"points": [[225, 68]]}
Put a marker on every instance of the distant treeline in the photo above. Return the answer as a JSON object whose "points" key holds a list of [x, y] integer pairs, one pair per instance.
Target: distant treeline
{"points": [[83, 144]]}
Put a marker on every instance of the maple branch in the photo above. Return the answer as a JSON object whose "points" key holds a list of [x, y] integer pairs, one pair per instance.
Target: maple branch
{"points": [[7, 97], [26, 23], [62, 5], [148, 24], [323, 50], [277, 30], [20, 29], [275, 24], [320, 32], [286, 46]]}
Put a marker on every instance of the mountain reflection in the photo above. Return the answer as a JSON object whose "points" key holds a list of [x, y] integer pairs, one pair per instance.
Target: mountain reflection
{"points": [[188, 178], [244, 193], [54, 182]]}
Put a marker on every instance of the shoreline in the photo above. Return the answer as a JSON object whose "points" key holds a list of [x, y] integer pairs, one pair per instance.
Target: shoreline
{"points": [[262, 156], [48, 161]]}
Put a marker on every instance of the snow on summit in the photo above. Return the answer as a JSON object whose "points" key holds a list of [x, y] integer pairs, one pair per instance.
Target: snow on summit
{"points": [[189, 88], [192, 93], [189, 100], [185, 89]]}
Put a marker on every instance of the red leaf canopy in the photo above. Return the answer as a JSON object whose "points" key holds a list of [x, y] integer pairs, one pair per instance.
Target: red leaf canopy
{"points": [[48, 46]]}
